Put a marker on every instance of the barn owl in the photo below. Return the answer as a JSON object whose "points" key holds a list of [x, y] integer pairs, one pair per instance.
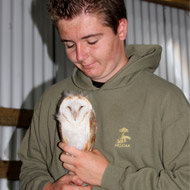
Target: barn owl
{"points": [[77, 122]]}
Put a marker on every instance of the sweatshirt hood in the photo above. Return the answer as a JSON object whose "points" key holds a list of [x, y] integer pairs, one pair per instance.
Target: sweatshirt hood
{"points": [[141, 57]]}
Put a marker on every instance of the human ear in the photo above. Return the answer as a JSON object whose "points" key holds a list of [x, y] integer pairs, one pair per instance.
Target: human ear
{"points": [[122, 29]]}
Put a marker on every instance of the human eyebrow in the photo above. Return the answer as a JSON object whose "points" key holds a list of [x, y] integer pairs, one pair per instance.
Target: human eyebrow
{"points": [[85, 37], [64, 40], [91, 35]]}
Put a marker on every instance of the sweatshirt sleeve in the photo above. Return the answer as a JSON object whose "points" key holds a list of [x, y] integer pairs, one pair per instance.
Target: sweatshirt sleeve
{"points": [[34, 172], [175, 174]]}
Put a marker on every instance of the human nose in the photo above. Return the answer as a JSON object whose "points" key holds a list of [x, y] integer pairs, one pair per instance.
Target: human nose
{"points": [[81, 53]]}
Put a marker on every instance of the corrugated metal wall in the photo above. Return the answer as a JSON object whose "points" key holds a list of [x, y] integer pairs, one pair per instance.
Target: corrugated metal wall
{"points": [[32, 57]]}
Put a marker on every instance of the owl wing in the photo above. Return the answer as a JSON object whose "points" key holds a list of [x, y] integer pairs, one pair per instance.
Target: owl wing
{"points": [[93, 130]]}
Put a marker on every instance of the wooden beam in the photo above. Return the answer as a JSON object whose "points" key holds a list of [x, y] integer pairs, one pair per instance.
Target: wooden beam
{"points": [[20, 118], [181, 4], [10, 169]]}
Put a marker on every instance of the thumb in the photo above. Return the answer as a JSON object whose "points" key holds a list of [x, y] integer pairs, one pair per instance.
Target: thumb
{"points": [[71, 150], [68, 179]]}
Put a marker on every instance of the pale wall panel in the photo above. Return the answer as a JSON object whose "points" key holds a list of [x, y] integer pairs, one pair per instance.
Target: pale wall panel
{"points": [[146, 23], [184, 43], [162, 70], [27, 55], [6, 39], [149, 23]]}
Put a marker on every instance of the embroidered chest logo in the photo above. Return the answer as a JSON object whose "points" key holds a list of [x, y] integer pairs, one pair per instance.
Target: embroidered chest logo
{"points": [[123, 141]]}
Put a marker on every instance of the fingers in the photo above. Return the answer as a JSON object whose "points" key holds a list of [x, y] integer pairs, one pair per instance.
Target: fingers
{"points": [[74, 179], [69, 167], [69, 179], [67, 159], [69, 150], [61, 145], [67, 182]]}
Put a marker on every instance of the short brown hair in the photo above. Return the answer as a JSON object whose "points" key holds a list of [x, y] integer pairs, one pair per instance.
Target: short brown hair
{"points": [[112, 10]]}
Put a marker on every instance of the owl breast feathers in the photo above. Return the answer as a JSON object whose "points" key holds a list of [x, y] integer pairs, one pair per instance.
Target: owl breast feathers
{"points": [[77, 122]]}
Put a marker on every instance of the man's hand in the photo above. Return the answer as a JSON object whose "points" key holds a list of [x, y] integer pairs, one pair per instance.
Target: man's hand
{"points": [[66, 183], [88, 166]]}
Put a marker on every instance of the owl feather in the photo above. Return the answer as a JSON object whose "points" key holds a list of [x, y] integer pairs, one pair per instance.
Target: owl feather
{"points": [[77, 121]]}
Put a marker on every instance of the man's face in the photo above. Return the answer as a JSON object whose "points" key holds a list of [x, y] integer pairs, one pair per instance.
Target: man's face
{"points": [[93, 47]]}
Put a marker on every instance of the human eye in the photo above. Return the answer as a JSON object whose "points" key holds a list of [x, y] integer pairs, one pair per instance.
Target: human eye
{"points": [[69, 45], [92, 42]]}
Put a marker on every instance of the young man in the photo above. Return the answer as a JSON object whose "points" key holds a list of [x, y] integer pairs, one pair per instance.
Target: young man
{"points": [[143, 123]]}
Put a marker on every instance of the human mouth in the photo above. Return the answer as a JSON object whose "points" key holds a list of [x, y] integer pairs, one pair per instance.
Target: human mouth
{"points": [[88, 66]]}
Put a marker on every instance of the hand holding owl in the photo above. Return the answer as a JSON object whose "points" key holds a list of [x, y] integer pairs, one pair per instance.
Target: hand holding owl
{"points": [[77, 125], [65, 182], [88, 166]]}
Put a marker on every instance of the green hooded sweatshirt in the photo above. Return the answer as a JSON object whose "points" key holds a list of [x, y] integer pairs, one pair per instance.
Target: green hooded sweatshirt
{"points": [[143, 129]]}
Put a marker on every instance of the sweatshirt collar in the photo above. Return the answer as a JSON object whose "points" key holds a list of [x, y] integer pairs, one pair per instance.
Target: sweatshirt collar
{"points": [[141, 57]]}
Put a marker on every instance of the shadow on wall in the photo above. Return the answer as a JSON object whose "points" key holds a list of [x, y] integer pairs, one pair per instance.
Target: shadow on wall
{"points": [[53, 50], [61, 68], [44, 30]]}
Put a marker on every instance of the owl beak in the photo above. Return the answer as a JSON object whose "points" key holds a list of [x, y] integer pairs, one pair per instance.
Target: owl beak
{"points": [[75, 115]]}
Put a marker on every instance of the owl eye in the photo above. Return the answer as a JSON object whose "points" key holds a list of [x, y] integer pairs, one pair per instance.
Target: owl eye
{"points": [[69, 108], [81, 107]]}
